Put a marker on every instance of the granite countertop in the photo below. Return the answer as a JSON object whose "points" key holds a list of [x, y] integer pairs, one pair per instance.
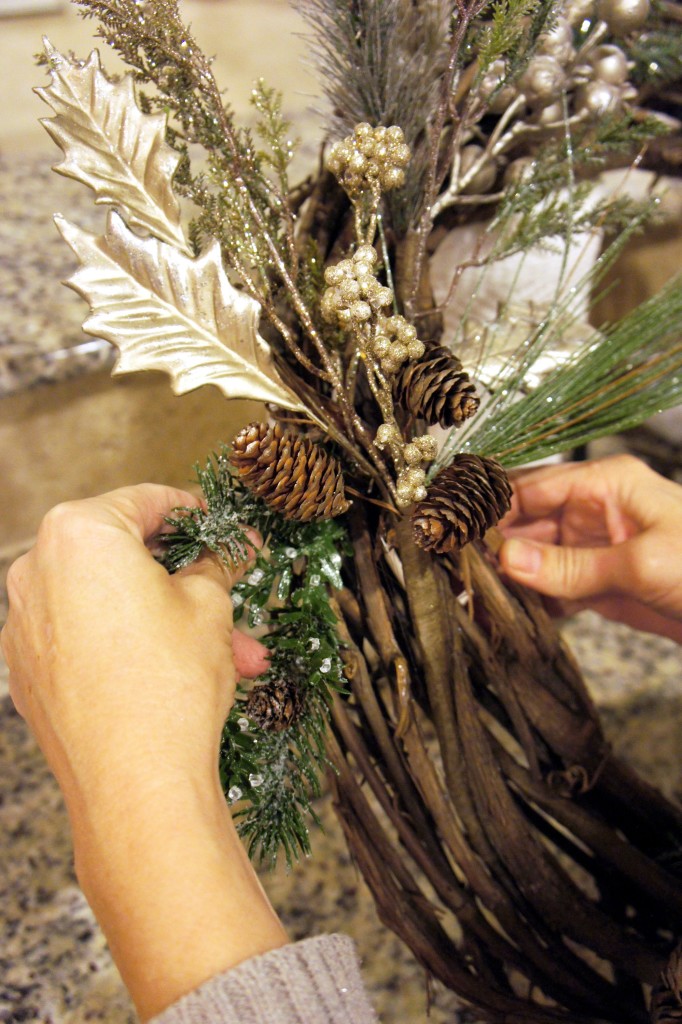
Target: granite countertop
{"points": [[40, 321]]}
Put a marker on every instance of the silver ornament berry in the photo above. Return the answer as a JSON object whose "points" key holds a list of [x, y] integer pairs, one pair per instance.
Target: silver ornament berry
{"points": [[623, 16], [609, 64], [543, 81]]}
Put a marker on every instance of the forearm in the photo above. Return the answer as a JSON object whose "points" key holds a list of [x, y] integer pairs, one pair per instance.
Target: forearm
{"points": [[177, 905]]}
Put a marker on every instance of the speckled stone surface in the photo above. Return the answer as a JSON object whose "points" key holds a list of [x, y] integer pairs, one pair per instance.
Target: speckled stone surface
{"points": [[40, 320], [54, 965]]}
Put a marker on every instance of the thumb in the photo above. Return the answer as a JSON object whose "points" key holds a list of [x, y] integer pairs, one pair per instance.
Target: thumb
{"points": [[210, 565], [565, 572]]}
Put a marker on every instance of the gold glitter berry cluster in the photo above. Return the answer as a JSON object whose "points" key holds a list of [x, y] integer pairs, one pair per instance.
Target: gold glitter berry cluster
{"points": [[395, 342], [411, 480], [370, 159], [354, 294], [367, 163]]}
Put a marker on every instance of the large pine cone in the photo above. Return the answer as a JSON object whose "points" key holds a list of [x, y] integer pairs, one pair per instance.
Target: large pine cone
{"points": [[274, 706], [464, 500], [292, 475], [437, 389]]}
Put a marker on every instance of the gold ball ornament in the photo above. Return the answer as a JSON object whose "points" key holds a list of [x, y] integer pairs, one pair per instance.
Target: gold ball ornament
{"points": [[578, 11], [623, 16], [543, 81], [492, 89], [609, 64], [522, 170], [598, 99], [558, 42], [484, 178], [551, 115]]}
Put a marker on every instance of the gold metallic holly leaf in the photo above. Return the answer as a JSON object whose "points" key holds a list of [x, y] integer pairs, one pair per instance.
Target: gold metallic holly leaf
{"points": [[165, 311], [110, 145]]}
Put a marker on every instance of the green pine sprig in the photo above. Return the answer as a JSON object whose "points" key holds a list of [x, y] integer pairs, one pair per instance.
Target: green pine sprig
{"points": [[273, 777], [511, 32]]}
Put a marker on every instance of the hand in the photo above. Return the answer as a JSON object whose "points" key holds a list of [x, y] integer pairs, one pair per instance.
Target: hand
{"points": [[108, 653], [126, 675], [604, 535]]}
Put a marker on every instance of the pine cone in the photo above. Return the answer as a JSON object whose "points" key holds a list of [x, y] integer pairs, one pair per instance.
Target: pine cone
{"points": [[292, 475], [666, 997], [437, 389], [274, 706], [464, 500]]}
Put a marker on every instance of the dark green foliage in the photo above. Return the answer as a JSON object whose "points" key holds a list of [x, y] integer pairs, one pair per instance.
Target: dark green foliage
{"points": [[657, 55], [287, 590]]}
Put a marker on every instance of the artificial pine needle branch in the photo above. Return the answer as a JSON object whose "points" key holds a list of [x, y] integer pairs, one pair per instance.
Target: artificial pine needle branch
{"points": [[273, 744], [632, 373]]}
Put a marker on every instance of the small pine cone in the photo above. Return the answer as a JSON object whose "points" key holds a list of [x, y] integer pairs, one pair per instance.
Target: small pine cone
{"points": [[464, 500], [274, 706], [666, 997], [437, 389], [292, 475]]}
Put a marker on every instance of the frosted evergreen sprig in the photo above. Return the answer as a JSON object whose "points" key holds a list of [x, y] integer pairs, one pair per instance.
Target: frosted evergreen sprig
{"points": [[273, 777]]}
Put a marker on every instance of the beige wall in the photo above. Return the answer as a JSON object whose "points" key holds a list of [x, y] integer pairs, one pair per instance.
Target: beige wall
{"points": [[93, 433]]}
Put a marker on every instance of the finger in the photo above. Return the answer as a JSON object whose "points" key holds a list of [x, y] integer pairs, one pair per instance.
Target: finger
{"points": [[543, 491], [226, 572], [251, 658], [545, 530], [564, 572], [140, 510]]}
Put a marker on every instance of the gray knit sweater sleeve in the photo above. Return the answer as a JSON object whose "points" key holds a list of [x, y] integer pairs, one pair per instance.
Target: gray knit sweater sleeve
{"points": [[316, 981]]}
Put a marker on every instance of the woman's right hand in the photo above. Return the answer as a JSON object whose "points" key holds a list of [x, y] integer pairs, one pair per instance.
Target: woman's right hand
{"points": [[605, 535]]}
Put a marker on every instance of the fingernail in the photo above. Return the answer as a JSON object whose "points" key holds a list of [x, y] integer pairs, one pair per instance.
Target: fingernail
{"points": [[522, 556]]}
